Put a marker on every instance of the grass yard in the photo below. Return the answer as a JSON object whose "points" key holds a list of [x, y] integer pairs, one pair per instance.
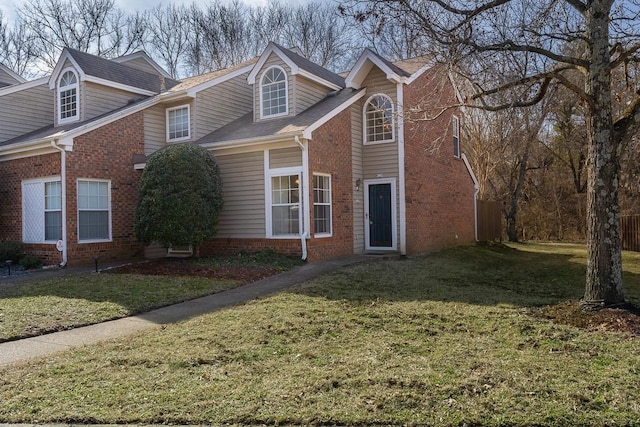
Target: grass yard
{"points": [[39, 306], [457, 337]]}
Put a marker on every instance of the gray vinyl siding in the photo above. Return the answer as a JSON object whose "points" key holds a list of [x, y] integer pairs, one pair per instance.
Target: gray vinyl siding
{"points": [[221, 104], [381, 160], [376, 82], [100, 99], [155, 126], [272, 60], [243, 213], [285, 158], [7, 78], [357, 170], [306, 93], [155, 134], [25, 111]]}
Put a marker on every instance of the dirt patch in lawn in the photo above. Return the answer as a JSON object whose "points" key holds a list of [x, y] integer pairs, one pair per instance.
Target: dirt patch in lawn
{"points": [[624, 318], [182, 267]]}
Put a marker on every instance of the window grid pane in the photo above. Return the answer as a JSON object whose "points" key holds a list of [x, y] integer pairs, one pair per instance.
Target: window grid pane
{"points": [[274, 93], [379, 119], [52, 211], [285, 205], [456, 136], [322, 204], [178, 123], [52, 225], [93, 210], [68, 106]]}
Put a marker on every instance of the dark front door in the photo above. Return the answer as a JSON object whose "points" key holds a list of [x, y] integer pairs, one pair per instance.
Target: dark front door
{"points": [[380, 216]]}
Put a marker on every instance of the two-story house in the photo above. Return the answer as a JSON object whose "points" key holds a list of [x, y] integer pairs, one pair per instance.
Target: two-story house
{"points": [[313, 163]]}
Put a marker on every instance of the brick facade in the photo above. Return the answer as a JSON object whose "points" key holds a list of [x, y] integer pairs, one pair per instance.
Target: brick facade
{"points": [[103, 154], [228, 246], [330, 153], [439, 188], [13, 172]]}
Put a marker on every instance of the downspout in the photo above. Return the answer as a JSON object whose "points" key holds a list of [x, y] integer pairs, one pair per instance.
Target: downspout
{"points": [[63, 179], [306, 220], [476, 186], [401, 172]]}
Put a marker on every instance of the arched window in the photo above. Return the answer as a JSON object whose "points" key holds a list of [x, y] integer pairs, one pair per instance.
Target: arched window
{"points": [[273, 93], [68, 97], [378, 119]]}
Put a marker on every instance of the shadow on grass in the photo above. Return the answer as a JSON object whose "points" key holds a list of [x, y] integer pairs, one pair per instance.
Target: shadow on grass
{"points": [[480, 275]]}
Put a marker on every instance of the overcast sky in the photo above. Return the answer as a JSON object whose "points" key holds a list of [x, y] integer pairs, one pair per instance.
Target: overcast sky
{"points": [[8, 6]]}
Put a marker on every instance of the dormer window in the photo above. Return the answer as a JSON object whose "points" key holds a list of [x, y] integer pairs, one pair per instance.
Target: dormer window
{"points": [[273, 93], [68, 97], [378, 120]]}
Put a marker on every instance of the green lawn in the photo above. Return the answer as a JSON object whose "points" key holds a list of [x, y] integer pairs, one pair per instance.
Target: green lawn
{"points": [[40, 306], [448, 339]]}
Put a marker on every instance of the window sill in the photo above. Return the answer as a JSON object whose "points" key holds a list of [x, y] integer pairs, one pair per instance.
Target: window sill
{"points": [[82, 242]]}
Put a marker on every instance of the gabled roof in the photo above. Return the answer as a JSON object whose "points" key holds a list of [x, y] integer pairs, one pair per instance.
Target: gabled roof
{"points": [[10, 77], [245, 129], [104, 71], [51, 132], [401, 71], [299, 65], [204, 81], [141, 54]]}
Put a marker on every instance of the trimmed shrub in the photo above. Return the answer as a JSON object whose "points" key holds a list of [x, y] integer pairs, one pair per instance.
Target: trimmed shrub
{"points": [[11, 250]]}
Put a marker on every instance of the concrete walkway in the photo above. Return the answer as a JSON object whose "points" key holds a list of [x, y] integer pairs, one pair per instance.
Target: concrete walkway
{"points": [[44, 345]]}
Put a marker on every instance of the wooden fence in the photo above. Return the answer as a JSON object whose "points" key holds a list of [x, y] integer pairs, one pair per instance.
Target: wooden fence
{"points": [[630, 232], [489, 221]]}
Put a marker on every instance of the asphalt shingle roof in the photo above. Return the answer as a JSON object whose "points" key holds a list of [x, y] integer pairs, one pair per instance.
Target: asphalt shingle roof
{"points": [[96, 66], [312, 67], [246, 128]]}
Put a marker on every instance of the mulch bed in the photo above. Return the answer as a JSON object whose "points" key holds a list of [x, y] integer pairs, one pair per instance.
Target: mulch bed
{"points": [[180, 267], [624, 318]]}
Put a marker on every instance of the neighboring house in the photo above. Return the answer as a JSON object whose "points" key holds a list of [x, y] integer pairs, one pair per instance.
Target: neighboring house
{"points": [[313, 163]]}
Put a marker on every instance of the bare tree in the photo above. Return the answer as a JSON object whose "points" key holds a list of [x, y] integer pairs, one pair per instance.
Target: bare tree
{"points": [[321, 34], [95, 26], [169, 30], [539, 44], [222, 36]]}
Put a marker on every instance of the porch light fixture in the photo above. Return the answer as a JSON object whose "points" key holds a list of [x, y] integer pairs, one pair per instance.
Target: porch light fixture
{"points": [[358, 184]]}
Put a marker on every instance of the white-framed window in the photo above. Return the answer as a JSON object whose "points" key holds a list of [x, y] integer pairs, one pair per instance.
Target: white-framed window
{"points": [[322, 205], [455, 123], [378, 120], [68, 89], [94, 211], [178, 123], [273, 93], [42, 210], [286, 208]]}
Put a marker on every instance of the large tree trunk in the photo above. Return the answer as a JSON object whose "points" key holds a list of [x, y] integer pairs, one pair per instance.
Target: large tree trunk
{"points": [[604, 264]]}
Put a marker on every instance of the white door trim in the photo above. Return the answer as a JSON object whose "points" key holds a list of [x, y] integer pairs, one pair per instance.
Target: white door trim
{"points": [[394, 210]]}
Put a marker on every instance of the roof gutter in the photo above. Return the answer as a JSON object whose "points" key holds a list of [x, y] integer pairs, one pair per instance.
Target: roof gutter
{"points": [[63, 179], [246, 142], [476, 186]]}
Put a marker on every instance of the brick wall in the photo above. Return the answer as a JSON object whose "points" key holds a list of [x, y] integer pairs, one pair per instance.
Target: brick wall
{"points": [[13, 172], [439, 189], [330, 153], [230, 246], [105, 154]]}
